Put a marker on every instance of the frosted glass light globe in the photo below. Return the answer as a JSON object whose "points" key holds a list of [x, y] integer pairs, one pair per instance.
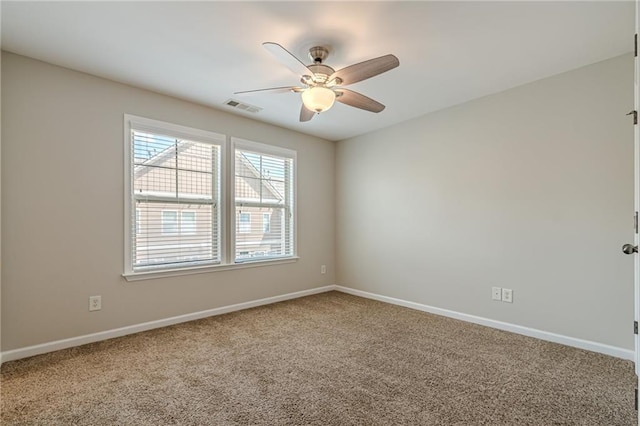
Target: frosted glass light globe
{"points": [[318, 98]]}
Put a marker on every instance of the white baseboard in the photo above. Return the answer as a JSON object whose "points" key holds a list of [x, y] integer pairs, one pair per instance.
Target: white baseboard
{"points": [[518, 329], [123, 331]]}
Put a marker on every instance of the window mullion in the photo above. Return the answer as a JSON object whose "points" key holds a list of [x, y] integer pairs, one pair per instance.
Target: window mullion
{"points": [[214, 213], [176, 172]]}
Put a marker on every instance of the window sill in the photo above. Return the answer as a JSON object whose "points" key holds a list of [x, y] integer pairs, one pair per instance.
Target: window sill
{"points": [[163, 273]]}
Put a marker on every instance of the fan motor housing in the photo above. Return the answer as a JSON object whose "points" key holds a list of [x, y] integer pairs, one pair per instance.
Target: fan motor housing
{"points": [[321, 69]]}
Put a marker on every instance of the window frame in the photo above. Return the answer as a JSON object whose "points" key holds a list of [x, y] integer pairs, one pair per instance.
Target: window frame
{"points": [[141, 124], [264, 149], [226, 238]]}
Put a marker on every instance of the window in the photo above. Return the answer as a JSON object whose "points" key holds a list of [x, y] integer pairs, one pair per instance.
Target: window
{"points": [[174, 190], [169, 222], [188, 223], [244, 222], [266, 223], [177, 215], [264, 187]]}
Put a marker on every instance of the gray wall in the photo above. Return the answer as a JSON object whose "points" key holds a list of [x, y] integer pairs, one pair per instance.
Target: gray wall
{"points": [[62, 208], [529, 189]]}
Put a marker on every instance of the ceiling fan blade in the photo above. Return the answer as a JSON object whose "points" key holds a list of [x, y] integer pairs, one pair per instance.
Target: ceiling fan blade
{"points": [[358, 100], [272, 89], [367, 69], [306, 114], [287, 58]]}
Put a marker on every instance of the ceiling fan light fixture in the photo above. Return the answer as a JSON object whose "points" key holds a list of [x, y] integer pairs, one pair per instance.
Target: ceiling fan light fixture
{"points": [[322, 85], [318, 98]]}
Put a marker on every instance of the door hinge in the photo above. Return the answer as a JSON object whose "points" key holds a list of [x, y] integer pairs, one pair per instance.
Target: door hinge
{"points": [[635, 222], [635, 45], [635, 327], [636, 400], [635, 116]]}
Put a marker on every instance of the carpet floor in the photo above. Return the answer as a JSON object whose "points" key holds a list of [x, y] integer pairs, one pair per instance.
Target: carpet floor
{"points": [[328, 359]]}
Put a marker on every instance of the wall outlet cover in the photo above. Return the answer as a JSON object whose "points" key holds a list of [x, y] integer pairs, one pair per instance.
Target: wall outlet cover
{"points": [[95, 303], [496, 293]]}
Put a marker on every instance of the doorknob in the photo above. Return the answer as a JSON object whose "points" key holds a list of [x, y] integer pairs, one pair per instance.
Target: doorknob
{"points": [[629, 249]]}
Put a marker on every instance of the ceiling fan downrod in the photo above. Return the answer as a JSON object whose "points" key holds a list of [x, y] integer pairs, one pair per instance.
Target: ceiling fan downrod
{"points": [[318, 54]]}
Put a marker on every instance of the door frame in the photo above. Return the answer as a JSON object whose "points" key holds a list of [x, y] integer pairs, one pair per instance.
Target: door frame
{"points": [[636, 162]]}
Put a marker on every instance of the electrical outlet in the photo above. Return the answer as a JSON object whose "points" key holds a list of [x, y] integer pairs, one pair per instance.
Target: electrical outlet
{"points": [[496, 293], [95, 303], [323, 269], [507, 295]]}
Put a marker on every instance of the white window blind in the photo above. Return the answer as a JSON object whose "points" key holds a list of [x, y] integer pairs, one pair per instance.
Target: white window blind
{"points": [[175, 196], [264, 193]]}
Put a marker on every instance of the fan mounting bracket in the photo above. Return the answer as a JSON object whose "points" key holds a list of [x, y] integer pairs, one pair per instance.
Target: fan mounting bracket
{"points": [[318, 54]]}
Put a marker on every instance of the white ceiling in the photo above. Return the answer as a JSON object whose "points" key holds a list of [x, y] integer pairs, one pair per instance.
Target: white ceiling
{"points": [[450, 52]]}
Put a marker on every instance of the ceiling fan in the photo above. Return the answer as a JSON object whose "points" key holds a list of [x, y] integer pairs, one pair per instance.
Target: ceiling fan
{"points": [[322, 85]]}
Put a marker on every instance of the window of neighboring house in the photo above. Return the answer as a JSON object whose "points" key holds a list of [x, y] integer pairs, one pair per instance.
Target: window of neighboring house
{"points": [[264, 184], [188, 223], [244, 223], [169, 222], [174, 191], [266, 223]]}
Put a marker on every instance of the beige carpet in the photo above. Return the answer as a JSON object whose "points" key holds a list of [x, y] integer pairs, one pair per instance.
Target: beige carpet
{"points": [[329, 359]]}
